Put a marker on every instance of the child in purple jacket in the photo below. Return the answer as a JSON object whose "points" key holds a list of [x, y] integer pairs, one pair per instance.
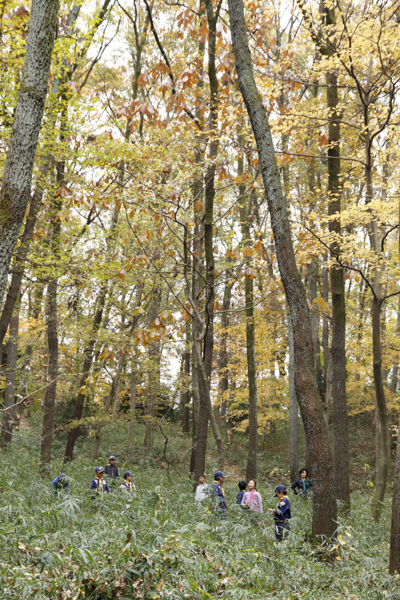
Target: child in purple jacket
{"points": [[252, 499]]}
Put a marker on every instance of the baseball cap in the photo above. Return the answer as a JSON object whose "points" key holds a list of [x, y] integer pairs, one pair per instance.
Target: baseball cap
{"points": [[219, 474], [111, 457], [127, 473], [280, 488]]}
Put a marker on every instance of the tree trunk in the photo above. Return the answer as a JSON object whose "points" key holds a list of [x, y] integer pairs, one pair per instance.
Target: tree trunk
{"points": [[153, 389], [52, 316], [223, 381], [16, 185], [9, 414], [132, 409], [395, 369], [312, 294], [382, 413], [338, 347], [294, 411], [325, 347], [211, 416], [186, 371], [244, 207], [52, 372], [394, 564], [324, 504]]}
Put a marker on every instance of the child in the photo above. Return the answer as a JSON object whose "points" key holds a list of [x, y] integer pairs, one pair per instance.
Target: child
{"points": [[218, 493], [303, 485], [242, 486], [61, 483], [252, 499], [281, 513], [98, 483], [202, 489], [127, 486]]}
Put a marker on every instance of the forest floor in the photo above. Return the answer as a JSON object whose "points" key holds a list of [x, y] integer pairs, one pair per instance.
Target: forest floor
{"points": [[163, 546]]}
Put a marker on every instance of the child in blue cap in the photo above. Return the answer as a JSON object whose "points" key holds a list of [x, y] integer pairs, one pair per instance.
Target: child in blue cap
{"points": [[218, 493], [281, 513]]}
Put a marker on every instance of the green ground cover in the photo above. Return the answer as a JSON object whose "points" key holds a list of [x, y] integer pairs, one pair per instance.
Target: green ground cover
{"points": [[162, 546]]}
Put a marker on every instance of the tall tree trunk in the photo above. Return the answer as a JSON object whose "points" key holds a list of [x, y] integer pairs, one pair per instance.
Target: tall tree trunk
{"points": [[324, 505], [312, 294], [153, 388], [245, 207], [16, 185], [394, 564], [186, 372], [49, 402], [338, 348], [325, 348], [223, 381], [21, 253], [382, 413], [395, 369], [9, 414], [209, 193], [199, 426], [132, 408], [294, 410]]}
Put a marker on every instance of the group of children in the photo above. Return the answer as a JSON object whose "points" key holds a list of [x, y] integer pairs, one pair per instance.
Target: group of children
{"points": [[252, 500], [99, 484]]}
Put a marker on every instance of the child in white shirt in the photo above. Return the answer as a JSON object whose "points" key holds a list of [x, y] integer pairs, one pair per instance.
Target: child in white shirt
{"points": [[202, 491]]}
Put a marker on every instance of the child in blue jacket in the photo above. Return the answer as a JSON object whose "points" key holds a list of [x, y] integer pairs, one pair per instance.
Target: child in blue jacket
{"points": [[281, 513], [217, 492], [60, 483], [99, 484]]}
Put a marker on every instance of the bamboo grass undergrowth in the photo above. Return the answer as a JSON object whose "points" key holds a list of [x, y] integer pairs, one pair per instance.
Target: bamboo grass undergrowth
{"points": [[161, 545]]}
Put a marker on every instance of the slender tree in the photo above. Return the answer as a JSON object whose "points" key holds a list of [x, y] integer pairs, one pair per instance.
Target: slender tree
{"points": [[324, 505]]}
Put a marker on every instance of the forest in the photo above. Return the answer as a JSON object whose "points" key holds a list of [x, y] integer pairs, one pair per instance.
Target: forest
{"points": [[199, 272]]}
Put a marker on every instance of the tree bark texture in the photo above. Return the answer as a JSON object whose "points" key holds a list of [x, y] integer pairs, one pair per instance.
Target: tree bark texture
{"points": [[16, 186], [9, 414], [23, 247], [338, 347], [294, 410], [324, 504]]}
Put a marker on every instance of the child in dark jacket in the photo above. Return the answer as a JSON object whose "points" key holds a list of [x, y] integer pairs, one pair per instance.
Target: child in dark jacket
{"points": [[281, 513], [302, 486], [242, 486]]}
